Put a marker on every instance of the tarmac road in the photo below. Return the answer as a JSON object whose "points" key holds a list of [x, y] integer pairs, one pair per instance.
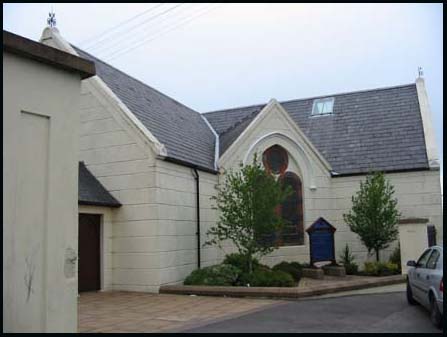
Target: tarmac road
{"points": [[382, 312]]}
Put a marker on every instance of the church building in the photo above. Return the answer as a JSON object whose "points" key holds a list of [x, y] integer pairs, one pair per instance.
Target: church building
{"points": [[148, 166]]}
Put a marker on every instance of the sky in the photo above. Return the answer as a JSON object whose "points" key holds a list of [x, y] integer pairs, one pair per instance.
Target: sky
{"points": [[217, 56]]}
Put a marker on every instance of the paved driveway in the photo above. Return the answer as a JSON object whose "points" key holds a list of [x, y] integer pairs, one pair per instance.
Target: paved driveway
{"points": [[143, 312], [386, 312]]}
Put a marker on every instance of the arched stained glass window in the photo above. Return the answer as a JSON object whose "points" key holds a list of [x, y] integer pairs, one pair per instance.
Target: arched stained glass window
{"points": [[275, 159], [292, 211]]}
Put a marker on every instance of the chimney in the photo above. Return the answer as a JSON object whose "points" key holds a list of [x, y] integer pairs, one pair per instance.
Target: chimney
{"points": [[429, 134]]}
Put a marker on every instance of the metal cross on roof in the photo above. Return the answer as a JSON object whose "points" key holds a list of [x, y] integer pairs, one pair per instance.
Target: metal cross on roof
{"points": [[420, 72], [51, 19]]}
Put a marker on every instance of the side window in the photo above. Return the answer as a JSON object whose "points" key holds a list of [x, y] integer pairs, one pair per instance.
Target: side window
{"points": [[423, 259], [433, 260]]}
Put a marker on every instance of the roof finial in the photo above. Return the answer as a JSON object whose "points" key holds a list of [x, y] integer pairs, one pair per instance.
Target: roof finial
{"points": [[420, 72], [51, 18]]}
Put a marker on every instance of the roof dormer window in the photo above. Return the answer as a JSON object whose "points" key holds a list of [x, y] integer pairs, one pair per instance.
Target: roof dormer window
{"points": [[323, 106]]}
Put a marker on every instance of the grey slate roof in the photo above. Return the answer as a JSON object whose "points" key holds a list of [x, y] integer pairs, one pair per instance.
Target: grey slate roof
{"points": [[379, 129], [182, 130], [91, 191]]}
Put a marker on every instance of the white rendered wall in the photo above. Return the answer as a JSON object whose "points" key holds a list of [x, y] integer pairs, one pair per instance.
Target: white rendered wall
{"points": [[40, 191], [418, 195], [121, 160], [177, 222]]}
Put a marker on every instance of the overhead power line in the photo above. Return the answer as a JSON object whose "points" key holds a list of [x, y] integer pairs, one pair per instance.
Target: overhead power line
{"points": [[153, 17], [159, 26], [108, 31], [155, 36]]}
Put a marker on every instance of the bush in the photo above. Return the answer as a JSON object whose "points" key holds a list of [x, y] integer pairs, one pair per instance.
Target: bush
{"points": [[217, 275], [395, 257], [380, 269], [267, 278], [241, 262], [351, 269], [293, 268], [347, 259]]}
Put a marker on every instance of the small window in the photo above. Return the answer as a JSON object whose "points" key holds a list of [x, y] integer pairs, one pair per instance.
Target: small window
{"points": [[323, 106]]}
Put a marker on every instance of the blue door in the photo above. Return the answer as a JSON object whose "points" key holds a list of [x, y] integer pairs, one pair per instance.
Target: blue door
{"points": [[322, 246]]}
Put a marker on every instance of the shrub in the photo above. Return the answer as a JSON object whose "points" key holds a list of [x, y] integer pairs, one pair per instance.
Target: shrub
{"points": [[347, 259], [380, 269], [293, 268], [267, 278], [217, 275], [388, 268], [241, 262], [395, 257], [351, 269]]}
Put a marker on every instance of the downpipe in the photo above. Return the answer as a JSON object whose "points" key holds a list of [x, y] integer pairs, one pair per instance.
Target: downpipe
{"points": [[197, 178]]}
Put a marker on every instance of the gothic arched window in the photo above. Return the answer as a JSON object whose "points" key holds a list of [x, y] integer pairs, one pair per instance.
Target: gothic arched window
{"points": [[276, 161], [292, 211]]}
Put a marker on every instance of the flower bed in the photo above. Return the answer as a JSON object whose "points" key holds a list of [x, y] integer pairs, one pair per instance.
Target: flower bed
{"points": [[234, 271]]}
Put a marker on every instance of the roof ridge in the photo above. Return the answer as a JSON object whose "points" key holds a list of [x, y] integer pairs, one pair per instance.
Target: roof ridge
{"points": [[315, 97], [240, 121], [238, 107], [135, 79]]}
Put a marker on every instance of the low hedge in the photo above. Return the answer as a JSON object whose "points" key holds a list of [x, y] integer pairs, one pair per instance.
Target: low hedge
{"points": [[234, 272], [351, 268], [293, 268], [380, 269], [267, 278], [217, 275]]}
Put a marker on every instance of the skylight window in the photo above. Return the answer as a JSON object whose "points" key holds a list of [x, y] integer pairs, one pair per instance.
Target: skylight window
{"points": [[323, 106]]}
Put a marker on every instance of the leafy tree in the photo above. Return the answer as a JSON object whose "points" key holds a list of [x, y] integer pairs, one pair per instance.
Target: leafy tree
{"points": [[247, 201], [374, 213]]}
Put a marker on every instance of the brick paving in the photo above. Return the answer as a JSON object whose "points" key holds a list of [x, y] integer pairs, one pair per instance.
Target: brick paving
{"points": [[119, 311]]}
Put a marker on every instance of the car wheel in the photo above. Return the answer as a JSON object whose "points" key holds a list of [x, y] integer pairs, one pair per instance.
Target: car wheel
{"points": [[435, 315], [410, 298]]}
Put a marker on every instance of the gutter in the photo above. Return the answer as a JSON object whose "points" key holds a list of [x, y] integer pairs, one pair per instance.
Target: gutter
{"points": [[340, 175], [197, 178], [187, 164]]}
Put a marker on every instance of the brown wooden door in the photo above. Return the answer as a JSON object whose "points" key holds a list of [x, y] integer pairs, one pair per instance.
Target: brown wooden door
{"points": [[89, 263]]}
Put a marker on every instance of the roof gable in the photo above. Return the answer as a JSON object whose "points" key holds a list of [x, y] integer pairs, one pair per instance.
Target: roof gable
{"points": [[256, 119], [183, 131], [379, 129], [321, 224]]}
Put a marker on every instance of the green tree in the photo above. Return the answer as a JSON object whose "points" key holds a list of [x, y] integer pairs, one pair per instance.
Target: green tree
{"points": [[374, 213], [247, 202]]}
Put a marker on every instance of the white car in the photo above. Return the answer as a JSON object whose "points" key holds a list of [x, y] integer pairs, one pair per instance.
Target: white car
{"points": [[425, 284]]}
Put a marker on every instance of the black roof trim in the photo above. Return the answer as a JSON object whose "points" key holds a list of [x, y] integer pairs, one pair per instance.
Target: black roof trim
{"points": [[40, 52], [188, 164], [91, 191], [385, 171]]}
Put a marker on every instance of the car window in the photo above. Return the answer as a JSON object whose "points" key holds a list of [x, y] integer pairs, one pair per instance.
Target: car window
{"points": [[423, 259], [434, 257]]}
